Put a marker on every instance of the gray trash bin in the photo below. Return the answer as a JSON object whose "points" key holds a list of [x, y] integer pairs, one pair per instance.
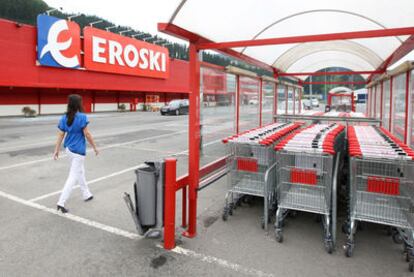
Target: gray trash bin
{"points": [[146, 193]]}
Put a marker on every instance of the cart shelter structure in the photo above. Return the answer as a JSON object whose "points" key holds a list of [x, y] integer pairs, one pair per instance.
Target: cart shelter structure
{"points": [[295, 41]]}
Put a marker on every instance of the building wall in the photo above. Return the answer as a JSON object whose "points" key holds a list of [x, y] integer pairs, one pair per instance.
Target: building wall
{"points": [[45, 89]]}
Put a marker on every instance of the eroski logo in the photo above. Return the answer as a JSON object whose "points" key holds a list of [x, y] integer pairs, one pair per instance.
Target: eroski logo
{"points": [[58, 42]]}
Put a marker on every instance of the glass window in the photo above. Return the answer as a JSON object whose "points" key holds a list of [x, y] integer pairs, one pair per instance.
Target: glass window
{"points": [[399, 105], [249, 103], [386, 105], [281, 99], [290, 104], [374, 101], [267, 103], [378, 102]]}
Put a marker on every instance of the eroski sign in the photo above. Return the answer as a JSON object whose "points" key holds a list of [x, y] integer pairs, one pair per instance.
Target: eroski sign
{"points": [[58, 42], [59, 45], [108, 52]]}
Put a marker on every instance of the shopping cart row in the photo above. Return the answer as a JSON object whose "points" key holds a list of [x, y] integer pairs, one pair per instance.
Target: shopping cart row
{"points": [[381, 187], [294, 168], [305, 172], [252, 164]]}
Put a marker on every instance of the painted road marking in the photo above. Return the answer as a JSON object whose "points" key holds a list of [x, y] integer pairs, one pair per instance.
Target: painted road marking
{"points": [[122, 233], [41, 197], [91, 223], [90, 150], [218, 261], [88, 182]]}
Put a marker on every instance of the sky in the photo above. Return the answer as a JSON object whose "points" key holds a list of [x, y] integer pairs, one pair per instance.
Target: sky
{"points": [[142, 15]]}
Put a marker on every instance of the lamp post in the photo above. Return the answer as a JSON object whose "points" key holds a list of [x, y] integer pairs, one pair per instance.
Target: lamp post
{"points": [[95, 22], [125, 31], [74, 16], [111, 27], [48, 12]]}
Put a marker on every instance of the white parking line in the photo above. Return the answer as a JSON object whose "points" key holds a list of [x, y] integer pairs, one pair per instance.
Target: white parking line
{"points": [[220, 262], [41, 197], [89, 183], [129, 235], [72, 217], [90, 150]]}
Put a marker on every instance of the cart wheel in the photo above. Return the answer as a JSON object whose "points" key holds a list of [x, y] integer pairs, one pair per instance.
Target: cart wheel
{"points": [[329, 246], [293, 214], [388, 230], [225, 215], [411, 266], [348, 250], [397, 238], [279, 236], [345, 228]]}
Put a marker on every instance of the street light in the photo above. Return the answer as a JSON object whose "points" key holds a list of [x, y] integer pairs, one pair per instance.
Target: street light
{"points": [[73, 16], [125, 31], [111, 27], [95, 22], [52, 10], [140, 36]]}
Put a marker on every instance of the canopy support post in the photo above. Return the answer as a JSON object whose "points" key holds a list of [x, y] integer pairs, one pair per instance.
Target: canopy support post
{"points": [[193, 140]]}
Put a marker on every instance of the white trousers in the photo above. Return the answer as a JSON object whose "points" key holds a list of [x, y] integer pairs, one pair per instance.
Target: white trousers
{"points": [[76, 175]]}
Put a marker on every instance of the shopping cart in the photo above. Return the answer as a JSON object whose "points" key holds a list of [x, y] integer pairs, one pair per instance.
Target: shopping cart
{"points": [[307, 176], [381, 185], [252, 166]]}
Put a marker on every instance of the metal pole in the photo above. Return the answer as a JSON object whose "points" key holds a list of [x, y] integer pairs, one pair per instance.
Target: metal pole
{"points": [[200, 58], [169, 203], [193, 139]]}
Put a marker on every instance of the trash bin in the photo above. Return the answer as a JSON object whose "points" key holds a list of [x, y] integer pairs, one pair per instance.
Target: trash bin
{"points": [[146, 195]]}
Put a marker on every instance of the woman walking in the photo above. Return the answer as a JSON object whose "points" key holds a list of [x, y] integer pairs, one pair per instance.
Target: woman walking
{"points": [[74, 125]]}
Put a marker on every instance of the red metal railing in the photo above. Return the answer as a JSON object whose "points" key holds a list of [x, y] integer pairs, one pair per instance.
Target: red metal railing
{"points": [[172, 185]]}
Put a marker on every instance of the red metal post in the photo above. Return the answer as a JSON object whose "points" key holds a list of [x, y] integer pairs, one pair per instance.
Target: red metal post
{"points": [[407, 98], [237, 103], [184, 208], [169, 203], [391, 102], [193, 139], [260, 101]]}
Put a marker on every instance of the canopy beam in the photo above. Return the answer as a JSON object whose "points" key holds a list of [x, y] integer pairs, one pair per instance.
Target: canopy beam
{"points": [[309, 38], [405, 48], [321, 73]]}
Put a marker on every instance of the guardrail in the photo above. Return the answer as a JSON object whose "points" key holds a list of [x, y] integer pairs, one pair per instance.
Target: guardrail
{"points": [[173, 184]]}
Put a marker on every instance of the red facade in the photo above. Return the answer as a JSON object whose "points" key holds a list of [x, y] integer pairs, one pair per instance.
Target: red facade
{"points": [[22, 82]]}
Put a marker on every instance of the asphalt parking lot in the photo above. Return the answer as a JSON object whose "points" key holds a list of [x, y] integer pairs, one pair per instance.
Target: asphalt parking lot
{"points": [[98, 238]]}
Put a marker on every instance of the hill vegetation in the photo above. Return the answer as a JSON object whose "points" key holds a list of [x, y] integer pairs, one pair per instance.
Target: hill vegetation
{"points": [[26, 11]]}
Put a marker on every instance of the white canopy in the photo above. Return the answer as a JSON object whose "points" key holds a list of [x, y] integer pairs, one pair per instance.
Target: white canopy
{"points": [[235, 20]]}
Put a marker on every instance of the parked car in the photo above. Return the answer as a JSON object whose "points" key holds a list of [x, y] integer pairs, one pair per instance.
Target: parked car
{"points": [[175, 107], [315, 102]]}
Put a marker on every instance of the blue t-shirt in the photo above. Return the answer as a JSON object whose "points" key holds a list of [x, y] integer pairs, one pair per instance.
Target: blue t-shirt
{"points": [[75, 139]]}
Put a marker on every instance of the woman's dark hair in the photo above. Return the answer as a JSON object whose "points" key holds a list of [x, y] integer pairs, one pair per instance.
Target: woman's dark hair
{"points": [[74, 106]]}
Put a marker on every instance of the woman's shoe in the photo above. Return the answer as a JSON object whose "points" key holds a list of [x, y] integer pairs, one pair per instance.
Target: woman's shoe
{"points": [[62, 209], [89, 198]]}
